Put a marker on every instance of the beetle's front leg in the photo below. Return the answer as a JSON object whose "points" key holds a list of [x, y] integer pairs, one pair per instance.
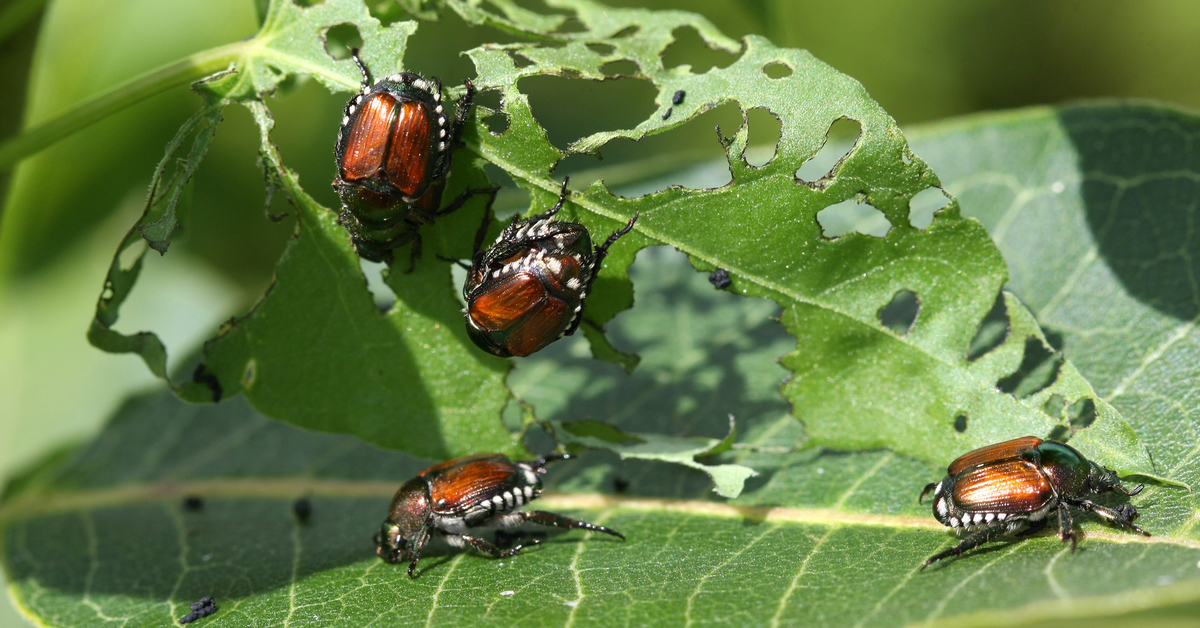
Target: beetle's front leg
{"points": [[491, 550], [969, 543], [559, 521], [1066, 527], [1122, 515]]}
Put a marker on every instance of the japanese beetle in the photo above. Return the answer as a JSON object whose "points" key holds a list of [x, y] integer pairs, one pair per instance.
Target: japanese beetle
{"points": [[1012, 487], [528, 289], [393, 155], [480, 490]]}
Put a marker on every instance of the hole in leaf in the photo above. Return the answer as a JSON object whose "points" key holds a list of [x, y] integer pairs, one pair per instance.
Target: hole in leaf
{"points": [[1060, 433], [765, 129], [572, 25], [520, 60], [510, 199], [388, 12], [1082, 413], [602, 49], [491, 99], [993, 331], [851, 215], [777, 70], [373, 271], [621, 67], [1039, 368], [1054, 406], [923, 206], [497, 123], [626, 32], [901, 313], [559, 103], [340, 39], [662, 160], [689, 48], [960, 423], [817, 172]]}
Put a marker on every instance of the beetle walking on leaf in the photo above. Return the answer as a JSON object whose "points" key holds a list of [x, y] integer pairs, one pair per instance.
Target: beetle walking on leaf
{"points": [[1014, 486], [448, 499]]}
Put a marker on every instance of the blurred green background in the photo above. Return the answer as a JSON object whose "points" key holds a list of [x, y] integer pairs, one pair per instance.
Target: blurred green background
{"points": [[66, 208]]}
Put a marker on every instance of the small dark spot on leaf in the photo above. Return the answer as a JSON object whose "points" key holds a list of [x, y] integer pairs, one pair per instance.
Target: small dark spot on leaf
{"points": [[960, 423], [720, 279], [777, 70], [193, 503], [340, 39], [205, 607], [668, 113], [302, 508], [993, 330], [900, 314], [620, 484], [677, 99]]}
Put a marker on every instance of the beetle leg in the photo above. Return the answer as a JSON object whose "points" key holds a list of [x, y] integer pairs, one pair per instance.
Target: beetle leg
{"points": [[559, 521], [969, 543], [495, 552], [1033, 528], [466, 195], [366, 74], [417, 544], [1122, 515], [1066, 527]]}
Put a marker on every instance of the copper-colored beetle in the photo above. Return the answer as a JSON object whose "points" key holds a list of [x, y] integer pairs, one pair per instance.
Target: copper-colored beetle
{"points": [[528, 289], [1012, 487], [393, 154], [447, 499]]}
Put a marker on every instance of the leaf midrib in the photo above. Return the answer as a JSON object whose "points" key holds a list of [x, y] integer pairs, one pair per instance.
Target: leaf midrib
{"points": [[45, 503]]}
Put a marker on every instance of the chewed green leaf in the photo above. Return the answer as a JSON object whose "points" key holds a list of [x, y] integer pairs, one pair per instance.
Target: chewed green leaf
{"points": [[728, 479], [857, 382]]}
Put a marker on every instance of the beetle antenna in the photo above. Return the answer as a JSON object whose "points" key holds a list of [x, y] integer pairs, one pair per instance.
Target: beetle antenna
{"points": [[547, 459], [562, 197], [366, 74]]}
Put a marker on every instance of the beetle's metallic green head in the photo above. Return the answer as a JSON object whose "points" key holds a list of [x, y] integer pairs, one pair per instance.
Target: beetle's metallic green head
{"points": [[1103, 480]]}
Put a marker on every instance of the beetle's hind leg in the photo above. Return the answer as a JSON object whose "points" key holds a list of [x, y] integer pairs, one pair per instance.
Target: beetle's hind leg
{"points": [[559, 521], [491, 550], [969, 543]]}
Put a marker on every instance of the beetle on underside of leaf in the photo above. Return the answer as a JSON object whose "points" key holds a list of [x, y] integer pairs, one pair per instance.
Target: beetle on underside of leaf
{"points": [[1014, 486]]}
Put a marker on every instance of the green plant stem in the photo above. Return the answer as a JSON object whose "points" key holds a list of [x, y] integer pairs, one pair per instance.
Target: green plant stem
{"points": [[16, 15], [101, 106]]}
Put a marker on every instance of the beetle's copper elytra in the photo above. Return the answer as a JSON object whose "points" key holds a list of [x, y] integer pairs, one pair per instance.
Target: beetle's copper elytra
{"points": [[528, 289]]}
